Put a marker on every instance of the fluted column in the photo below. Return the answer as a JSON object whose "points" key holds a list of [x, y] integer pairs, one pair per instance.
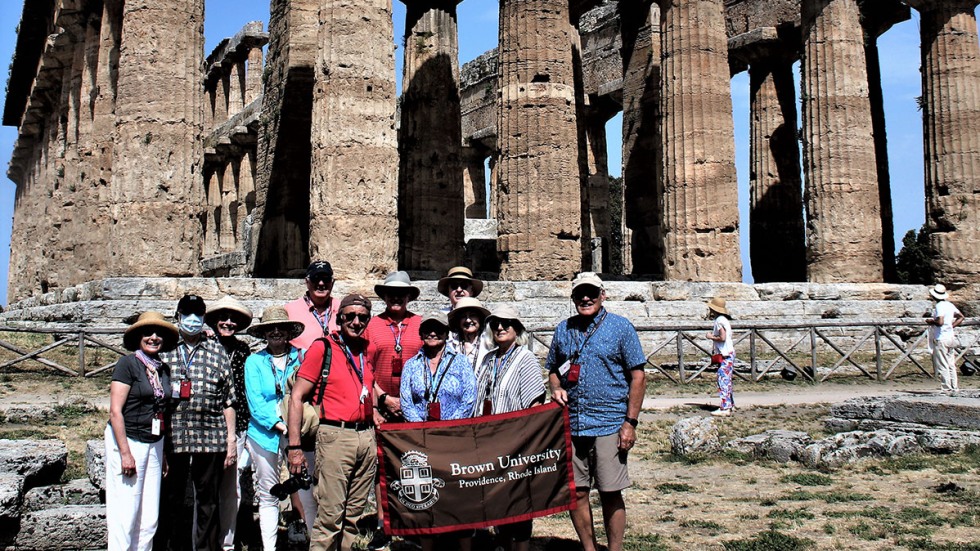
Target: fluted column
{"points": [[843, 203], [776, 230], [951, 119], [474, 181], [538, 192], [430, 179], [642, 160], [156, 190], [354, 188], [253, 75], [236, 89], [698, 137]]}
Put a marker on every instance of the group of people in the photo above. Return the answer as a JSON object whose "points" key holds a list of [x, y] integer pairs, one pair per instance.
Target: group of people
{"points": [[193, 406]]}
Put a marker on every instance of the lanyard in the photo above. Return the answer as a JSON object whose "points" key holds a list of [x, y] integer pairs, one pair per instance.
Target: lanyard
{"points": [[398, 337], [359, 371], [498, 364], [187, 360], [324, 320], [430, 378], [279, 378], [588, 334]]}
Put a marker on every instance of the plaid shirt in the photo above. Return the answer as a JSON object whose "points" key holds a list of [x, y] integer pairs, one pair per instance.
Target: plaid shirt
{"points": [[198, 424]]}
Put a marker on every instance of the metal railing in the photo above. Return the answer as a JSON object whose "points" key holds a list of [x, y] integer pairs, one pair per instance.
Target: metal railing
{"points": [[874, 349]]}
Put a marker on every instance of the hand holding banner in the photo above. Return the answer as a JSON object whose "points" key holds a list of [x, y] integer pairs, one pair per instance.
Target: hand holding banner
{"points": [[444, 476]]}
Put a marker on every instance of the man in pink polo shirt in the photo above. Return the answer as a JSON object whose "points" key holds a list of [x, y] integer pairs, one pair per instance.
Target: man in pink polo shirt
{"points": [[316, 309]]}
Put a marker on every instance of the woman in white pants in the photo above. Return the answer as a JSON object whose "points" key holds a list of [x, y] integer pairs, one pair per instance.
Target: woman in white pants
{"points": [[266, 374], [134, 460]]}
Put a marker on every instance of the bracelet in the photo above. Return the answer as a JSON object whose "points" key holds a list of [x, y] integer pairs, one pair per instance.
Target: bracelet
{"points": [[632, 421], [292, 447]]}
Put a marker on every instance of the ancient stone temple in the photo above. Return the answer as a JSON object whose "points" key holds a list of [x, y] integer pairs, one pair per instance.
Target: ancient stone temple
{"points": [[139, 155]]}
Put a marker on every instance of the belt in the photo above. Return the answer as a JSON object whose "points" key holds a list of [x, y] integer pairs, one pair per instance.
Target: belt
{"points": [[358, 426]]}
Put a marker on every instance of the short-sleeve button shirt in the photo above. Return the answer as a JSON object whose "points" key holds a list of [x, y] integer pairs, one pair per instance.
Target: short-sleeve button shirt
{"points": [[198, 424], [597, 404]]}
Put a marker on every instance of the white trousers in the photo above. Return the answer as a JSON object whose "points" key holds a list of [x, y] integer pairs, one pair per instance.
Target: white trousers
{"points": [[944, 362], [308, 497], [266, 475], [230, 496], [132, 504]]}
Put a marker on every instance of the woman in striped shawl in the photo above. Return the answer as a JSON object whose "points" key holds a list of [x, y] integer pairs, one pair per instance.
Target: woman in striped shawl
{"points": [[508, 379]]}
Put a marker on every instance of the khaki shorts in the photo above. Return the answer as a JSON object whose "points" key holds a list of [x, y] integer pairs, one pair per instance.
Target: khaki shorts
{"points": [[598, 463]]}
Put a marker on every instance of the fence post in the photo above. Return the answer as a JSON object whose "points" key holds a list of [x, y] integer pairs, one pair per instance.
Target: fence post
{"points": [[680, 357], [878, 353], [755, 373], [81, 353], [813, 354]]}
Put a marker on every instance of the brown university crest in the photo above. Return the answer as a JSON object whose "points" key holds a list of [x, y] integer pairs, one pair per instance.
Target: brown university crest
{"points": [[416, 488]]}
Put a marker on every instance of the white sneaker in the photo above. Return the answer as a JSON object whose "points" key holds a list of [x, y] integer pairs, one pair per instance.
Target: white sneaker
{"points": [[722, 413]]}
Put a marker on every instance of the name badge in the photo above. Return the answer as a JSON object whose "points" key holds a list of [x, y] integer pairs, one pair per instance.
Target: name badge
{"points": [[364, 394], [487, 407], [396, 367], [156, 426], [434, 411], [175, 390], [185, 390], [573, 373]]}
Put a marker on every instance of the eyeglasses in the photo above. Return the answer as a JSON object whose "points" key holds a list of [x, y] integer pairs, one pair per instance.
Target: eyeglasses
{"points": [[351, 316], [460, 284], [150, 332], [433, 334], [501, 324], [586, 292]]}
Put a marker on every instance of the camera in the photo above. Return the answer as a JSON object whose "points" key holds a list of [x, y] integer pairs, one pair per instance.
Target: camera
{"points": [[301, 481]]}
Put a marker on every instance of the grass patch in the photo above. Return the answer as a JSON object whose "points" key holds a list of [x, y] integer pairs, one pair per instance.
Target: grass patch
{"points": [[671, 487], [771, 540], [798, 515], [700, 524], [72, 412], [921, 544], [645, 542], [23, 434], [808, 479], [839, 496]]}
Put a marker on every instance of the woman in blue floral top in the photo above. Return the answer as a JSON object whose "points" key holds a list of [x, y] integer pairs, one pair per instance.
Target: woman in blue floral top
{"points": [[438, 384]]}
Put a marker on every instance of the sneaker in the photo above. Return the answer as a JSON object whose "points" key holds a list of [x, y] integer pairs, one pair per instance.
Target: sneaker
{"points": [[379, 541], [722, 413]]}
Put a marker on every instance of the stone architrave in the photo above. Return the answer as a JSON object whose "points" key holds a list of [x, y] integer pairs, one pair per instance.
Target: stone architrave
{"points": [[430, 176], [642, 160], [354, 181], [700, 217], [951, 135], [156, 194], [842, 199], [538, 175], [776, 229]]}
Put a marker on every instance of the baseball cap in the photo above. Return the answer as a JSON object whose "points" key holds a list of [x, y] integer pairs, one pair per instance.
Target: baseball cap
{"points": [[191, 304], [319, 268]]}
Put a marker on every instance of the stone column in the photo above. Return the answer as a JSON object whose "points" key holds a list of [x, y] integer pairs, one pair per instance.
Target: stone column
{"points": [[430, 180], [156, 192], [776, 231], [538, 193], [212, 209], [843, 205], [474, 181], [353, 195], [601, 203], [951, 119], [698, 137], [642, 159], [236, 89], [228, 201], [253, 75]]}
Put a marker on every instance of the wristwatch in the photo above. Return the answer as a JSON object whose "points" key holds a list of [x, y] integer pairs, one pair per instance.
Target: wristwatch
{"points": [[632, 421], [381, 400]]}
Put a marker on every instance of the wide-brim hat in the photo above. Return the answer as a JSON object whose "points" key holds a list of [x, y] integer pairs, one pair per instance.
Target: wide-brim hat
{"points": [[436, 316], [460, 272], [466, 303], [276, 316], [168, 331], [229, 305], [939, 292], [717, 304], [505, 312], [398, 281]]}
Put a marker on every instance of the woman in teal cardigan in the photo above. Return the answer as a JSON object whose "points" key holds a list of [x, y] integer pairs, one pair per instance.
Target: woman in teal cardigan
{"points": [[266, 375]]}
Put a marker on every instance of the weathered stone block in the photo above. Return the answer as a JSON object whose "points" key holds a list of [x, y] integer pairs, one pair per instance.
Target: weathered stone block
{"points": [[38, 461], [11, 496], [67, 527], [935, 410], [77, 492], [694, 435], [29, 414], [779, 445], [95, 462]]}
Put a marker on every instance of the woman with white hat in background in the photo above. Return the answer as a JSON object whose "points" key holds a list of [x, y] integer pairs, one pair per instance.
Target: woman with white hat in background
{"points": [[134, 460], [945, 316], [721, 337], [466, 323], [266, 379], [227, 317]]}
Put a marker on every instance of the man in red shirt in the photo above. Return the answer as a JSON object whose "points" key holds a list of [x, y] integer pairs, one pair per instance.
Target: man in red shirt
{"points": [[316, 309], [346, 454]]}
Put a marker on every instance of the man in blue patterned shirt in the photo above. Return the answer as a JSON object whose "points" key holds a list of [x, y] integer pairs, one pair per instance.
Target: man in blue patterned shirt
{"points": [[595, 368]]}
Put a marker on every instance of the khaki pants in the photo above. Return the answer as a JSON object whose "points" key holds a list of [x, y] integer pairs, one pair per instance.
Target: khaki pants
{"points": [[346, 461], [944, 362]]}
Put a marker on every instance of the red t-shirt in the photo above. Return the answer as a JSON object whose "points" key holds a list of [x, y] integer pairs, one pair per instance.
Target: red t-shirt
{"points": [[342, 399], [382, 331]]}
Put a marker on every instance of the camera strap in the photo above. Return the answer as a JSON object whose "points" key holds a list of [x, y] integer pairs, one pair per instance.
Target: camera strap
{"points": [[324, 371]]}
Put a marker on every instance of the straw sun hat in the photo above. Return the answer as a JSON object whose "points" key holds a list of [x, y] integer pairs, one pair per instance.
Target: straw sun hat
{"points": [[939, 292], [229, 306], [717, 305], [466, 303], [276, 316], [459, 272], [166, 330]]}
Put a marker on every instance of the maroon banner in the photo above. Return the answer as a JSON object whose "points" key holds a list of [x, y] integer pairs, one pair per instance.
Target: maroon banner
{"points": [[442, 476]]}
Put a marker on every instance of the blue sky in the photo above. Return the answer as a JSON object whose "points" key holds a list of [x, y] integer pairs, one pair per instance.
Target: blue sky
{"points": [[478, 33]]}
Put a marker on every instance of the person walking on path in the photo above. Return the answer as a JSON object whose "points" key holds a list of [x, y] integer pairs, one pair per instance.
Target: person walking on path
{"points": [[945, 316], [721, 345], [595, 368]]}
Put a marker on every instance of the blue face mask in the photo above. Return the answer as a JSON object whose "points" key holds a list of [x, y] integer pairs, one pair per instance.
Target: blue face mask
{"points": [[191, 324]]}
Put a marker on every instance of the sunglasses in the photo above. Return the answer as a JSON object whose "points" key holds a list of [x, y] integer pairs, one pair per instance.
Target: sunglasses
{"points": [[150, 332], [434, 334], [587, 292], [464, 285], [502, 324], [351, 316]]}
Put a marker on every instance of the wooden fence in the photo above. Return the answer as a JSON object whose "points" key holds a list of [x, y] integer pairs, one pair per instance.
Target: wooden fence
{"points": [[875, 349]]}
